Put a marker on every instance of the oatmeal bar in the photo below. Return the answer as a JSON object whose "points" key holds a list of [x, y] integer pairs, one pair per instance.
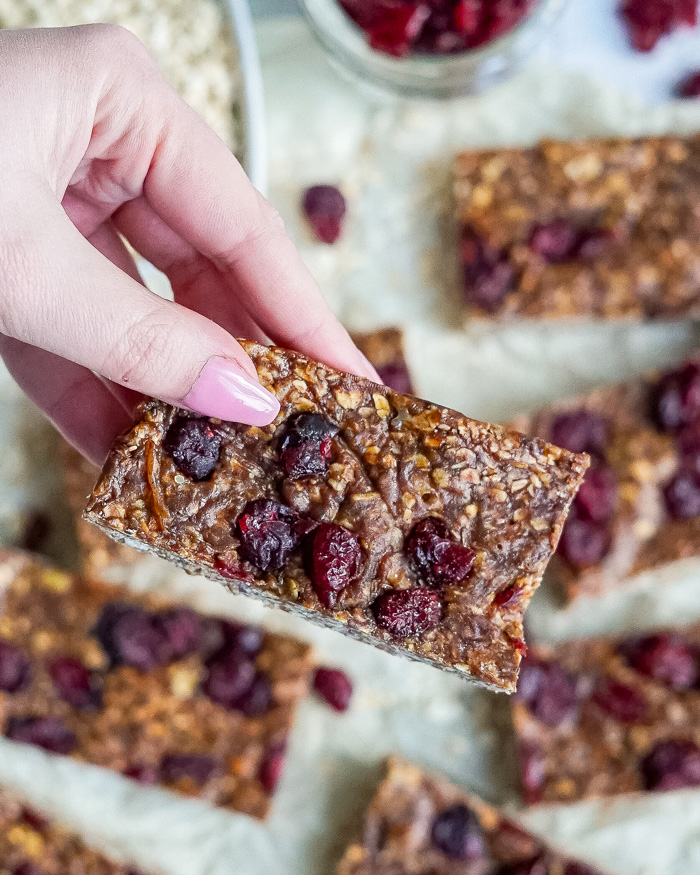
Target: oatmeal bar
{"points": [[419, 822], [153, 690], [639, 505], [31, 844], [605, 716], [599, 229], [401, 523], [384, 349], [100, 556]]}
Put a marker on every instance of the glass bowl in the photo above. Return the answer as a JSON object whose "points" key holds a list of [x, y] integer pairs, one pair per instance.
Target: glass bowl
{"points": [[428, 75]]}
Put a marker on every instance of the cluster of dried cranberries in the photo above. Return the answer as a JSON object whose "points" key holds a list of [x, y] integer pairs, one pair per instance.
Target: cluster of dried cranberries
{"points": [[649, 20], [442, 27]]}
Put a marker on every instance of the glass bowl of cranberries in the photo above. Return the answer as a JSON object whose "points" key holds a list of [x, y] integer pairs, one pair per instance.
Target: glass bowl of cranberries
{"points": [[431, 48]]}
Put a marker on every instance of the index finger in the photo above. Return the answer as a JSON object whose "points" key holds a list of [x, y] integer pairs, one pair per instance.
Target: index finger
{"points": [[200, 190]]}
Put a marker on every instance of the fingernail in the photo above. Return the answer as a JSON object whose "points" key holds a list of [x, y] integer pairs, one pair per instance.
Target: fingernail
{"points": [[225, 391]]}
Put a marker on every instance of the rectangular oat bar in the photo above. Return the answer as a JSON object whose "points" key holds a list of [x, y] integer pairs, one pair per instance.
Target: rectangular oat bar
{"points": [[418, 822], [100, 556], [605, 716], [32, 844], [639, 506], [594, 229], [385, 350], [396, 521], [146, 688]]}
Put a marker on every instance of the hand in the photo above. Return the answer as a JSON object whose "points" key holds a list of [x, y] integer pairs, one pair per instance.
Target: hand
{"points": [[94, 145]]}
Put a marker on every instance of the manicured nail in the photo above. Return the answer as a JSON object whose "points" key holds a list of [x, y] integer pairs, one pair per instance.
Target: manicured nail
{"points": [[225, 391]]}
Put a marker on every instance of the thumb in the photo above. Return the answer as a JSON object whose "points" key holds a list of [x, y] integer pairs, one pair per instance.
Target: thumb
{"points": [[59, 293]]}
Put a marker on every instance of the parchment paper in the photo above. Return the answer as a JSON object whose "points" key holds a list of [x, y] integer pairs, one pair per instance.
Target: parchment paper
{"points": [[395, 264]]}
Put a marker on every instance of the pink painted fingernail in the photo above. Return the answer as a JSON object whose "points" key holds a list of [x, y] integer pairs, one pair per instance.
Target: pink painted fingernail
{"points": [[225, 391]]}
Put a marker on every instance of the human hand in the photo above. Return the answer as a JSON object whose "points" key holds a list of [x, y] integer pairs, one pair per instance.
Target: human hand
{"points": [[95, 144]]}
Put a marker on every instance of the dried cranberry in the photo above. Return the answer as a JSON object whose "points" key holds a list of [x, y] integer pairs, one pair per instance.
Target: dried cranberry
{"points": [[457, 834], [50, 733], [266, 531], [132, 636], [532, 774], [195, 766], [27, 869], [584, 543], [690, 86], [549, 692], [143, 773], [436, 556], [488, 274], [555, 241], [666, 658], [334, 560], [507, 597], [648, 20], [688, 446], [15, 672], [36, 532], [597, 496], [619, 701], [579, 869], [334, 687], [182, 629], [675, 398], [580, 431], [229, 678], [75, 683], [671, 765], [408, 612], [325, 208], [34, 820], [258, 699], [193, 445], [398, 29], [535, 866], [395, 375], [682, 496], [305, 445], [270, 770], [240, 639]]}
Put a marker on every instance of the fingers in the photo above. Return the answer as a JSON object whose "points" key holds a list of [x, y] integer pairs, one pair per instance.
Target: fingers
{"points": [[200, 191], [59, 293], [196, 283], [77, 403]]}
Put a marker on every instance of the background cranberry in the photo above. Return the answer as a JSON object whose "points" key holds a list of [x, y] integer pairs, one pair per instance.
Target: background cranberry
{"points": [[133, 636], [49, 733], [15, 671], [75, 683], [620, 701], [395, 375], [671, 765], [457, 834], [334, 687], [597, 497], [666, 658], [584, 543], [488, 274], [324, 207], [197, 767], [548, 691], [675, 398], [270, 770], [682, 495], [580, 431]]}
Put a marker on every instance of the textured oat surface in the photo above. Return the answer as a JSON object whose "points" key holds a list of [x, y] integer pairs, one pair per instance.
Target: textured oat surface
{"points": [[396, 837], [643, 535], [396, 460], [143, 715], [591, 751], [644, 193], [26, 837]]}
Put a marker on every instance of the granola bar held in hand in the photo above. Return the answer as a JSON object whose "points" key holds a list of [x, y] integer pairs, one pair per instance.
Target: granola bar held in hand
{"points": [[610, 715], [402, 523], [602, 229], [419, 822], [147, 688], [639, 505]]}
